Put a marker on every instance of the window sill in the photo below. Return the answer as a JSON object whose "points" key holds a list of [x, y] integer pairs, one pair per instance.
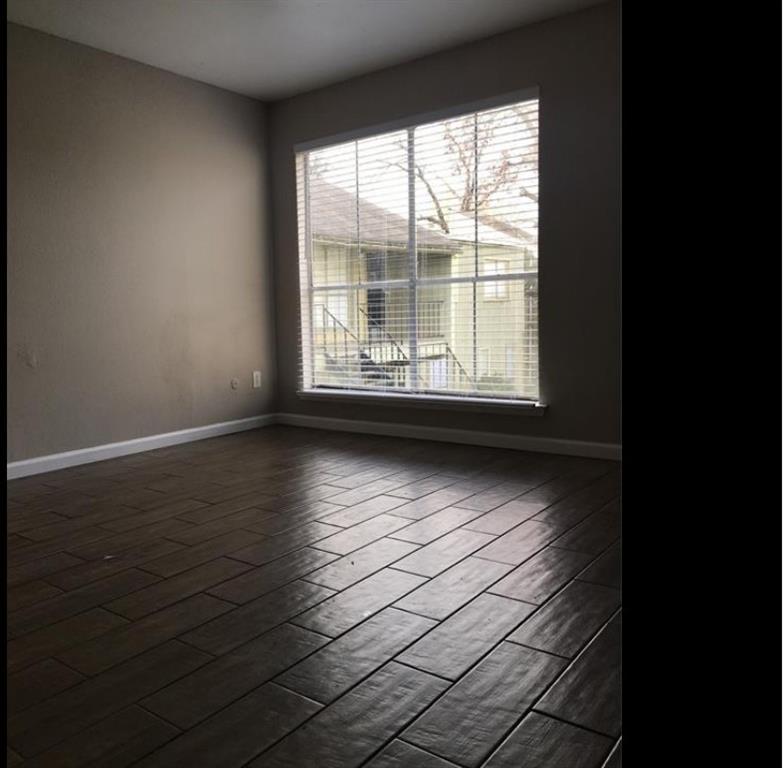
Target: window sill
{"points": [[487, 405]]}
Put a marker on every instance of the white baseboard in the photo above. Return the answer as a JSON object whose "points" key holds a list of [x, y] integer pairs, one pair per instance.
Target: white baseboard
{"points": [[36, 466], [55, 461], [610, 451]]}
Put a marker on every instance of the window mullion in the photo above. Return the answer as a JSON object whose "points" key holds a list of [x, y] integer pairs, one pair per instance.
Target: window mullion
{"points": [[309, 375], [475, 247], [413, 353]]}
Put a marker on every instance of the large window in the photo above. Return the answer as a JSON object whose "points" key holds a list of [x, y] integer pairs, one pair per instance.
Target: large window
{"points": [[419, 259]]}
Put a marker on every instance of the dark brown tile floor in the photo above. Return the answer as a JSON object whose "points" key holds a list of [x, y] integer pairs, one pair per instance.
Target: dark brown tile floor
{"points": [[292, 597]]}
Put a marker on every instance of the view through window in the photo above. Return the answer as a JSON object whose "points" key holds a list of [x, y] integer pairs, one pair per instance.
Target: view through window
{"points": [[419, 259]]}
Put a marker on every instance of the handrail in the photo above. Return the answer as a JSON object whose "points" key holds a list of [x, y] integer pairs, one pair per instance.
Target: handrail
{"points": [[364, 360], [450, 352], [391, 338], [361, 347], [340, 323], [403, 356]]}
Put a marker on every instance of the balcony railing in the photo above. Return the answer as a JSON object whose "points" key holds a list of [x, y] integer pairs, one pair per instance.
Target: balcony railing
{"points": [[372, 357]]}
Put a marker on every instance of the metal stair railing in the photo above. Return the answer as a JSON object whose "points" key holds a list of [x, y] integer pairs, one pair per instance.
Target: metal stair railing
{"points": [[398, 359], [365, 366], [369, 364], [442, 349], [450, 353]]}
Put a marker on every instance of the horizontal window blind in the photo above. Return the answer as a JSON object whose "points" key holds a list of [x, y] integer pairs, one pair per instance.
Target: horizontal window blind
{"points": [[418, 253]]}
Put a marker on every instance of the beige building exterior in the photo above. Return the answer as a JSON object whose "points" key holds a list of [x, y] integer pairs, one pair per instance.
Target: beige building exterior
{"points": [[361, 306]]}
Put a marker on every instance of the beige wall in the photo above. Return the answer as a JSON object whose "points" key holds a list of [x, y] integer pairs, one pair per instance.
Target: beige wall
{"points": [[138, 264], [575, 61]]}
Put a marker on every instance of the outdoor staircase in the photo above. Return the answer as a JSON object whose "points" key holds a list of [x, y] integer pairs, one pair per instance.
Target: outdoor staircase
{"points": [[380, 360]]}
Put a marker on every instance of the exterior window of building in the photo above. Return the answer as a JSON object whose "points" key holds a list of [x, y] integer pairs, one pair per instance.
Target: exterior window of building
{"points": [[495, 290]]}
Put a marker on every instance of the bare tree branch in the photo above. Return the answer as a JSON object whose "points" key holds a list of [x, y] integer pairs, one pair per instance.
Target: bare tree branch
{"points": [[481, 178], [442, 222], [525, 192], [441, 216]]}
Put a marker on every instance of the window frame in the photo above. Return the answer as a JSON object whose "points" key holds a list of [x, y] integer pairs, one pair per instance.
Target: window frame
{"points": [[408, 397], [496, 284]]}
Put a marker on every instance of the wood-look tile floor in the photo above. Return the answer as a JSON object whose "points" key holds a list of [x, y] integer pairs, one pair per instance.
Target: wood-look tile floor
{"points": [[293, 597]]}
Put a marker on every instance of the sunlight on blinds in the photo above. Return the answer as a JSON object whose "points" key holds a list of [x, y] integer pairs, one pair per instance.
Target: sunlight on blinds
{"points": [[419, 259]]}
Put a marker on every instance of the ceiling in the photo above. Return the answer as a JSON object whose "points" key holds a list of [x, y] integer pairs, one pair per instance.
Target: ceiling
{"points": [[270, 49]]}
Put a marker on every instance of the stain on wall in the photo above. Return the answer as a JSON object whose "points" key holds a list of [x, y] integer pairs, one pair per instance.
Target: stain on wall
{"points": [[27, 355]]}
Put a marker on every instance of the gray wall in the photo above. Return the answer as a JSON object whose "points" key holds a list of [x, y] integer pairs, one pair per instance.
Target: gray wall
{"points": [[138, 258], [575, 61]]}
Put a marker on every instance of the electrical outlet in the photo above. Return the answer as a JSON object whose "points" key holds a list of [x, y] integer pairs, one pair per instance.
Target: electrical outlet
{"points": [[234, 383], [256, 379]]}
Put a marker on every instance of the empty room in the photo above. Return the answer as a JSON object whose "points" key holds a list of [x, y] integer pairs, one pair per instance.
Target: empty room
{"points": [[314, 384]]}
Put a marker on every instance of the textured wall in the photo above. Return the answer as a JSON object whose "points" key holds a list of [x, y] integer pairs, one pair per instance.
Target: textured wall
{"points": [[138, 257], [575, 61]]}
